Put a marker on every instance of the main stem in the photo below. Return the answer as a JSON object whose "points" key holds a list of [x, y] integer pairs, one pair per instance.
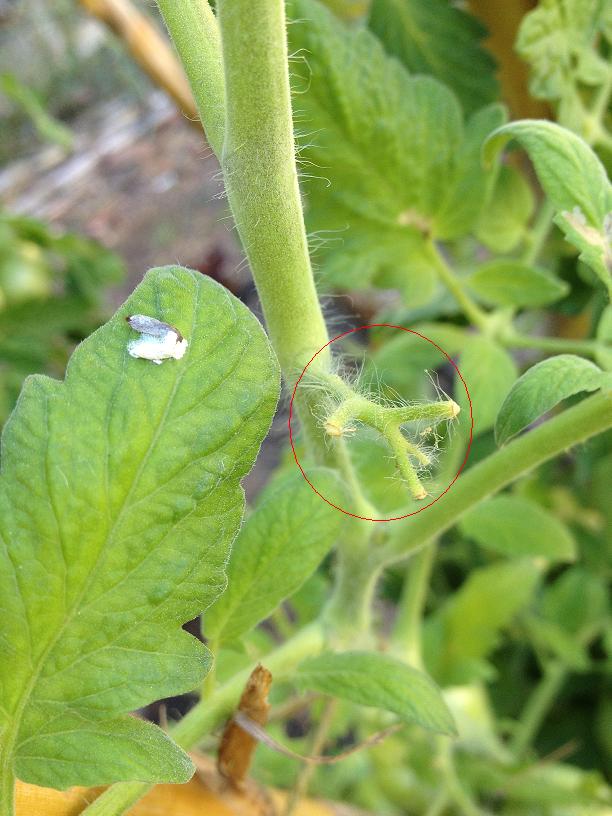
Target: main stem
{"points": [[258, 161]]}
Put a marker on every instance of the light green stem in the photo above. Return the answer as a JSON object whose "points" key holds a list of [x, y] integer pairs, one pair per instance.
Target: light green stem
{"points": [[472, 311], [539, 233], [261, 178], [590, 417], [537, 708], [7, 790], [407, 630], [457, 793], [210, 713], [195, 34], [556, 345]]}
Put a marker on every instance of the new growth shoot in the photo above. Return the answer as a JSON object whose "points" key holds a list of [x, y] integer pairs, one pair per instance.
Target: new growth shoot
{"points": [[349, 408]]}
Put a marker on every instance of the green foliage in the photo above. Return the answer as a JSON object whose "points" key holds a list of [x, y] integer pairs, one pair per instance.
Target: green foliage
{"points": [[575, 182], [120, 498], [505, 282], [377, 185], [561, 40], [280, 545], [49, 128], [121, 495], [503, 221], [514, 526], [541, 388], [489, 372], [51, 296], [374, 679], [467, 627], [434, 37]]}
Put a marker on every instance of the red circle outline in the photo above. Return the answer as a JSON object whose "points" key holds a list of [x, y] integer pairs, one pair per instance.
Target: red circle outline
{"points": [[295, 456]]}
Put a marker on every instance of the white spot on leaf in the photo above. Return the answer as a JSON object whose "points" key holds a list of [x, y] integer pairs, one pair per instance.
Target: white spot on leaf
{"points": [[158, 341]]}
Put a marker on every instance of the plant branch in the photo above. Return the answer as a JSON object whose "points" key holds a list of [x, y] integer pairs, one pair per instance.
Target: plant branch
{"points": [[470, 308], [574, 425], [537, 708], [261, 178], [556, 345], [539, 233], [195, 34], [407, 630]]}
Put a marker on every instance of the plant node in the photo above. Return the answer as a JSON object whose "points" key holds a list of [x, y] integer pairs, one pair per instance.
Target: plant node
{"points": [[350, 407]]}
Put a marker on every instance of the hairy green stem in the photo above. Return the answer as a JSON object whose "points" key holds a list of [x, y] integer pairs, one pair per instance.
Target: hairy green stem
{"points": [[537, 708], [210, 713], [261, 178], [195, 34], [407, 630], [590, 417]]}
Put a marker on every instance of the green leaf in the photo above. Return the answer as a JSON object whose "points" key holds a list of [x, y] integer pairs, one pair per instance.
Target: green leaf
{"points": [[574, 180], [558, 39], [373, 679], [489, 372], [279, 546], [507, 282], [433, 37], [120, 496], [515, 526], [542, 387], [460, 635], [378, 186], [503, 220], [578, 601]]}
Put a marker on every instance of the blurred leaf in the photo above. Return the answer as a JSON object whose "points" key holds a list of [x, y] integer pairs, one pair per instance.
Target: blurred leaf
{"points": [[374, 679], [434, 37], [99, 565], [489, 372], [542, 387], [506, 282], [48, 128], [551, 638], [281, 543], [467, 627], [559, 41], [503, 220], [515, 526], [574, 180], [577, 601]]}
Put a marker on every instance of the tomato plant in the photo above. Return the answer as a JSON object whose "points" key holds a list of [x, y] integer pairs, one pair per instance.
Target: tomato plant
{"points": [[377, 148]]}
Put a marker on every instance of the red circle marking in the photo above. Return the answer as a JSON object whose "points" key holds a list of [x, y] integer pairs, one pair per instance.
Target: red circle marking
{"points": [[295, 456]]}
